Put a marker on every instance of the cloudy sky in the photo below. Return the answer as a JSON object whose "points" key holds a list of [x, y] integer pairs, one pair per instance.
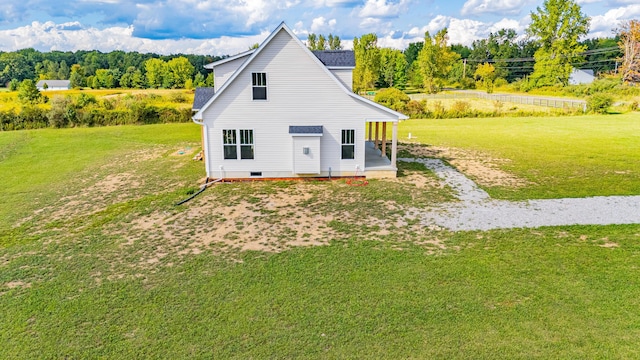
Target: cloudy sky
{"points": [[219, 27]]}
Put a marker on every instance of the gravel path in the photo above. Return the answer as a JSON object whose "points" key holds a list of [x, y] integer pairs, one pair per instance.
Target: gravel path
{"points": [[477, 211]]}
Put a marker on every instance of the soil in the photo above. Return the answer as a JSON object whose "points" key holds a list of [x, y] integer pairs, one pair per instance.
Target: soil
{"points": [[483, 169]]}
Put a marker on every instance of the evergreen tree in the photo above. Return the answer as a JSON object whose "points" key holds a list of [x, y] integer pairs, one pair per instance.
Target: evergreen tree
{"points": [[28, 93]]}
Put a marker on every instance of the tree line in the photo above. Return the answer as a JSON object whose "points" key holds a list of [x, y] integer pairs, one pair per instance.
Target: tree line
{"points": [[114, 69], [545, 56]]}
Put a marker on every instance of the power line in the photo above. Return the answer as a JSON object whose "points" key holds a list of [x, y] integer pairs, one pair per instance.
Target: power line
{"points": [[527, 59]]}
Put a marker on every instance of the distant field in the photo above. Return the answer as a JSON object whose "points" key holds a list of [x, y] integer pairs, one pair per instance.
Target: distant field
{"points": [[554, 157], [96, 261], [180, 98]]}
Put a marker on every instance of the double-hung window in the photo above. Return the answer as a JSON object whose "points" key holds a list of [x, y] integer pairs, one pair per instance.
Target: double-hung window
{"points": [[230, 144], [348, 144], [246, 144], [259, 84]]}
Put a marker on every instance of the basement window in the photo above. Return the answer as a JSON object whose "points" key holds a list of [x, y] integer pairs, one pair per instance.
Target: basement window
{"points": [[255, 173]]}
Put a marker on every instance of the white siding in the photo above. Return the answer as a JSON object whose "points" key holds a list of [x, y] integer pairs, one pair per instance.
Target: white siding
{"points": [[306, 163], [299, 92], [222, 72], [345, 76]]}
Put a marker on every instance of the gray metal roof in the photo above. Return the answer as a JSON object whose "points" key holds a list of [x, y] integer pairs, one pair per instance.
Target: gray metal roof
{"points": [[336, 58], [203, 94], [305, 129]]}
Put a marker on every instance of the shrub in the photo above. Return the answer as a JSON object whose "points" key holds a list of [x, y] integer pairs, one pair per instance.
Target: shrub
{"points": [[599, 103], [392, 98], [460, 108]]}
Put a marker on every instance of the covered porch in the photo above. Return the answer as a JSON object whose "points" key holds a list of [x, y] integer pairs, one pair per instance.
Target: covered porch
{"points": [[377, 162]]}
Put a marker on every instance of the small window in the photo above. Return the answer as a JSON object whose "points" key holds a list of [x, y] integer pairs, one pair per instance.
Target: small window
{"points": [[348, 144], [246, 144], [229, 142], [259, 82], [255, 173]]}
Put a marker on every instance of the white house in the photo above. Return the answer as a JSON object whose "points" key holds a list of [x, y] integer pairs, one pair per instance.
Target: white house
{"points": [[53, 85], [281, 111]]}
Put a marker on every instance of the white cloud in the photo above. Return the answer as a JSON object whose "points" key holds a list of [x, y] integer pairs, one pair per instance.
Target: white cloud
{"points": [[320, 24], [500, 7], [382, 9], [50, 36], [603, 25]]}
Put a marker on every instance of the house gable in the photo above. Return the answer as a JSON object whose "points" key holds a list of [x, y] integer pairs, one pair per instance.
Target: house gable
{"points": [[302, 96], [302, 59]]}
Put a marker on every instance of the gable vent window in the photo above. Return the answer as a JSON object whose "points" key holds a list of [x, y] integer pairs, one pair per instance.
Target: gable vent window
{"points": [[259, 82], [348, 144]]}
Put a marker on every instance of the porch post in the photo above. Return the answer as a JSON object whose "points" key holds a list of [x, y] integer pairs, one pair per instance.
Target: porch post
{"points": [[394, 145], [370, 129], [384, 139], [377, 129]]}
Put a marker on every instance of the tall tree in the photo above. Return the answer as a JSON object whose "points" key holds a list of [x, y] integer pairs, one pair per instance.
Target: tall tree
{"points": [[322, 42], [312, 40], [435, 60], [367, 67], [334, 42], [181, 69], [155, 70], [630, 45], [76, 78], [557, 27], [393, 68]]}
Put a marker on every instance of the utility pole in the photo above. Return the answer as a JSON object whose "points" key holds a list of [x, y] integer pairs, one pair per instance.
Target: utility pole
{"points": [[464, 68]]}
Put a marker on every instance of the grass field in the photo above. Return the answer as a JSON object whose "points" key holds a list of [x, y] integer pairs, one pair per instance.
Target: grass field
{"points": [[97, 262], [554, 157]]}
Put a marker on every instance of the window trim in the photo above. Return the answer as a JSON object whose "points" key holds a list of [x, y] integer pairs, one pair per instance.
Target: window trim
{"points": [[259, 81], [237, 139], [344, 142], [246, 140], [229, 141]]}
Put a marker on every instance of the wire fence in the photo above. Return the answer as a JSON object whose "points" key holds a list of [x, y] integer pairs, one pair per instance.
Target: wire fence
{"points": [[518, 99]]}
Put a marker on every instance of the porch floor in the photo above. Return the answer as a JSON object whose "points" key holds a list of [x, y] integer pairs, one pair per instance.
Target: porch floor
{"points": [[376, 166]]}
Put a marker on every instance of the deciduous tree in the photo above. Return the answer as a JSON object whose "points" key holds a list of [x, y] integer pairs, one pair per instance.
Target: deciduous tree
{"points": [[630, 45], [28, 93], [486, 73], [367, 67], [557, 27], [436, 60]]}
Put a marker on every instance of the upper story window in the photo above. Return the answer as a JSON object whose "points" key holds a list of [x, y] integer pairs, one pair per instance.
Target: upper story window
{"points": [[259, 83], [348, 144]]}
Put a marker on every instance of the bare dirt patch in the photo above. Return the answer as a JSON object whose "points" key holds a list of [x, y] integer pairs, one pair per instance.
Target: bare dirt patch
{"points": [[482, 168], [17, 284]]}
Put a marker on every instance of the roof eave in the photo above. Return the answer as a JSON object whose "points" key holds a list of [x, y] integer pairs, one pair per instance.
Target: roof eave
{"points": [[210, 66]]}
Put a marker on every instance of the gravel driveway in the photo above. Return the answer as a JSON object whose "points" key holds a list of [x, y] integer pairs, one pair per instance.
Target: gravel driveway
{"points": [[477, 211]]}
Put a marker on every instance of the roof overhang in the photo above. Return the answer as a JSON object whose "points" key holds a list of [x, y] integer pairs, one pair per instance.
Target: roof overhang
{"points": [[210, 66], [305, 130]]}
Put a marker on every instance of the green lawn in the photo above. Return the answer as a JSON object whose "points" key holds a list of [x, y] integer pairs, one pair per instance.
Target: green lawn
{"points": [[97, 262], [573, 156]]}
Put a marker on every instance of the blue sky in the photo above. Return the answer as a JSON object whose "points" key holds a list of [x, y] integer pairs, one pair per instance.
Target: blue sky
{"points": [[219, 27]]}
